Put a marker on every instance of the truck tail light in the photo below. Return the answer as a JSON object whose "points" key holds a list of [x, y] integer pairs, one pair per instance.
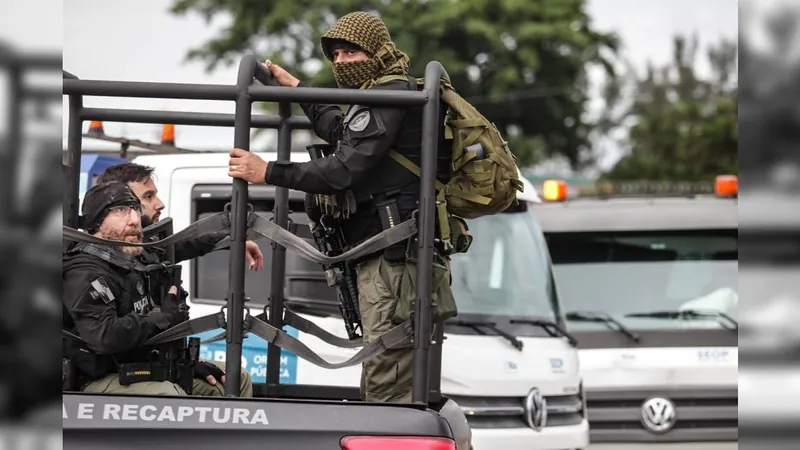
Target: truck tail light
{"points": [[397, 443]]}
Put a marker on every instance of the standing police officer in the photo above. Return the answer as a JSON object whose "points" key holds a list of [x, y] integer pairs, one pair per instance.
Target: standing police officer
{"points": [[109, 304], [361, 50]]}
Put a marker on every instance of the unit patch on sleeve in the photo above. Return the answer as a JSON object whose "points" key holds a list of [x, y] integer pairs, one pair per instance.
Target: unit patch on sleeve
{"points": [[360, 121], [101, 290]]}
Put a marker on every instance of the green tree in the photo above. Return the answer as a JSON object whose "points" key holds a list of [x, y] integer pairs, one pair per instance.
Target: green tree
{"points": [[523, 63], [684, 127]]}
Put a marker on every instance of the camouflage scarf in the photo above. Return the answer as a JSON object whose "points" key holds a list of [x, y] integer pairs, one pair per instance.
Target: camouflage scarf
{"points": [[362, 74]]}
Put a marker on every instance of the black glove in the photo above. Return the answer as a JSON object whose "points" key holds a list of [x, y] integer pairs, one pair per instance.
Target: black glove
{"points": [[178, 310], [202, 369], [184, 296]]}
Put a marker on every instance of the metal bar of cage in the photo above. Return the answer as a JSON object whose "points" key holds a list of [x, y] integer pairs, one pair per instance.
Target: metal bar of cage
{"points": [[189, 118], [243, 94]]}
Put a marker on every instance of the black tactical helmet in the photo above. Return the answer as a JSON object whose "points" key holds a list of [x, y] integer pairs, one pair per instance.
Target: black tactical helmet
{"points": [[100, 198]]}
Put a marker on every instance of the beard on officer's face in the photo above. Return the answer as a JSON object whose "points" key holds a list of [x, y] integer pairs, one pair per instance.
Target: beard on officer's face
{"points": [[128, 233]]}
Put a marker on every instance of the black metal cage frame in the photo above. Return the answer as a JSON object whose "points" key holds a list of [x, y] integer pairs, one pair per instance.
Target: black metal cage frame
{"points": [[427, 363]]}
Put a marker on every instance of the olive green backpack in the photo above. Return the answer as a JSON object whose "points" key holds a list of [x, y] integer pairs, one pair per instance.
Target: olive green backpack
{"points": [[485, 178]]}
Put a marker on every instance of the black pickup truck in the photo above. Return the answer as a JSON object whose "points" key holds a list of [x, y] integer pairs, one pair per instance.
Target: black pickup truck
{"points": [[279, 416], [135, 422]]}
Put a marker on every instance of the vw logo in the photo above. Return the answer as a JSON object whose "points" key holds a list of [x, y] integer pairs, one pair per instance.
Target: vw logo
{"points": [[535, 410], [658, 414]]}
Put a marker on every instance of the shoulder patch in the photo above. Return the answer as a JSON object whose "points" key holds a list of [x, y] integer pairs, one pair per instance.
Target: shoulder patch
{"points": [[360, 121], [351, 111], [101, 290]]}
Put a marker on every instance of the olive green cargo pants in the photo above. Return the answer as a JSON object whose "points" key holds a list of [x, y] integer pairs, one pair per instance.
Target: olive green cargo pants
{"points": [[110, 385], [386, 292]]}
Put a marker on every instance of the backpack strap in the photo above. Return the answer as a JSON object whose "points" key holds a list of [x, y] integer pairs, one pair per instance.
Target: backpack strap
{"points": [[441, 202], [389, 78], [451, 190]]}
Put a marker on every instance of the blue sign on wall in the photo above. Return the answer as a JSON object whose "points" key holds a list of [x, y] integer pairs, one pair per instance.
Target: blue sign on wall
{"points": [[254, 356]]}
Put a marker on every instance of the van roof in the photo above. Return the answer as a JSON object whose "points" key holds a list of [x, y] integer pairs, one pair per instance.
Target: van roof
{"points": [[641, 213], [166, 164]]}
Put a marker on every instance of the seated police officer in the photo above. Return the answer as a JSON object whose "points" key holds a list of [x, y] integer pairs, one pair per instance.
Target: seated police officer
{"points": [[111, 304], [141, 181]]}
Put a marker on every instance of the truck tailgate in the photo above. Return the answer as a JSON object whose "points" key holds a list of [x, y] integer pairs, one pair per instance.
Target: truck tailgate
{"points": [[136, 422]]}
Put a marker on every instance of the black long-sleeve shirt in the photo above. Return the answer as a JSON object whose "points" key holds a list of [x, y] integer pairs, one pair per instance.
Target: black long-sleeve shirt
{"points": [[199, 246], [365, 142], [110, 309], [361, 162]]}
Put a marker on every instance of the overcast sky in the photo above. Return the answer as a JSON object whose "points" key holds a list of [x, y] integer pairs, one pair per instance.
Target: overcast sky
{"points": [[140, 41]]}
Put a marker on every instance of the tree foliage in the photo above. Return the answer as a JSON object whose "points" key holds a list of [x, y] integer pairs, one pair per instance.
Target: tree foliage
{"points": [[684, 127], [522, 63]]}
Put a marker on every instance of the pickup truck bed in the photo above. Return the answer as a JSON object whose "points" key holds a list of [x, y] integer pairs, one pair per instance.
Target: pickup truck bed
{"points": [[92, 421]]}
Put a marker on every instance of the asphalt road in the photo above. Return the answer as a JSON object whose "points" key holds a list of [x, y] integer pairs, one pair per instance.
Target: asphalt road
{"points": [[677, 446]]}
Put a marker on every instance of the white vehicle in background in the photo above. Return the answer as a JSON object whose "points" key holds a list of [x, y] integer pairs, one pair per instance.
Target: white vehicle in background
{"points": [[649, 289], [506, 359]]}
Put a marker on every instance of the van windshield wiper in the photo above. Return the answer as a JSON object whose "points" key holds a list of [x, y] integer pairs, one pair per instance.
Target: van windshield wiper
{"points": [[690, 314], [477, 324], [607, 320], [551, 327]]}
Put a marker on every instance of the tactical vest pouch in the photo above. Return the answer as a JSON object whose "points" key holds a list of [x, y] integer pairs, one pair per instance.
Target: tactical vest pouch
{"points": [[389, 215], [341, 205], [91, 365], [485, 178], [130, 373]]}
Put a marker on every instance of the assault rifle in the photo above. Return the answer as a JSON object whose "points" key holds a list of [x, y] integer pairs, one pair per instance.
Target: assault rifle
{"points": [[328, 236], [176, 358]]}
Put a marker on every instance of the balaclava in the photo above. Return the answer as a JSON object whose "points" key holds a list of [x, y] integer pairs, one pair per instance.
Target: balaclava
{"points": [[368, 32]]}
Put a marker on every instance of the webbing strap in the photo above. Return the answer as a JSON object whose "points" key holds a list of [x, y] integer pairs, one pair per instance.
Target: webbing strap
{"points": [[217, 337], [116, 258], [408, 164], [400, 335], [214, 223], [182, 330], [290, 241], [397, 336], [444, 223], [304, 325], [189, 328], [475, 198]]}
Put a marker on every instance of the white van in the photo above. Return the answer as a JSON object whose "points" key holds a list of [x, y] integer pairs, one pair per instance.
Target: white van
{"points": [[504, 281], [649, 289]]}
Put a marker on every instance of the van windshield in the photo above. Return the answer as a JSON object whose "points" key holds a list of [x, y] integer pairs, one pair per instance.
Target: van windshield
{"points": [[506, 271], [640, 272]]}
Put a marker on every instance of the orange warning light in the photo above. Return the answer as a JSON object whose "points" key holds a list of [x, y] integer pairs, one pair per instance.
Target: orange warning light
{"points": [[727, 186], [168, 134], [554, 190]]}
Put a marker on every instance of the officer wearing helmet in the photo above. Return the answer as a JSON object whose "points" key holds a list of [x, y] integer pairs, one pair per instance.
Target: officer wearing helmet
{"points": [[363, 55], [110, 305]]}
